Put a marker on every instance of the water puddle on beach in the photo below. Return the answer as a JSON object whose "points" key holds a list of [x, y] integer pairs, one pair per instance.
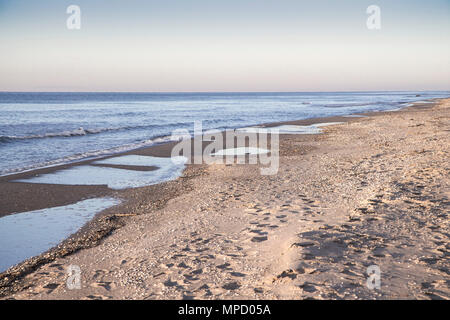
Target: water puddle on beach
{"points": [[241, 151], [115, 178], [28, 234], [290, 129]]}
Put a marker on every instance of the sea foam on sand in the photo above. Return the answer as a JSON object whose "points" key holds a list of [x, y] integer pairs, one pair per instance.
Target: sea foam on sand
{"points": [[290, 129], [240, 151]]}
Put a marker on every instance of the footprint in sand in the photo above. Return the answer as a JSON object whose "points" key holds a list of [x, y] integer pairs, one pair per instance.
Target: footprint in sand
{"points": [[107, 285], [170, 283], [259, 231], [237, 274], [225, 266], [96, 297], [259, 239], [231, 286], [51, 287]]}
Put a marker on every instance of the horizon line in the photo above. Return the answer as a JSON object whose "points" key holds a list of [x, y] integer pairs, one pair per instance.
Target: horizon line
{"points": [[210, 92]]}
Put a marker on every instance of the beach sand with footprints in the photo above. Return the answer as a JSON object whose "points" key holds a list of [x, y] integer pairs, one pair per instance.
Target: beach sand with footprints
{"points": [[371, 191]]}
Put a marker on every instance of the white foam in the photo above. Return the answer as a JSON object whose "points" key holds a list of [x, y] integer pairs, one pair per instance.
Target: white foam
{"points": [[290, 129], [396, 109], [241, 151], [422, 101], [354, 116], [27, 234], [137, 160], [114, 178]]}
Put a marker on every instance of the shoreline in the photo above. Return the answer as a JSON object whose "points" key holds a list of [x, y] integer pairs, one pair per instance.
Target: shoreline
{"points": [[306, 121], [11, 192], [112, 219]]}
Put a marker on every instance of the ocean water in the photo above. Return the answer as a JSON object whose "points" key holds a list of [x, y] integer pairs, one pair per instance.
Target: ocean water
{"points": [[43, 129]]}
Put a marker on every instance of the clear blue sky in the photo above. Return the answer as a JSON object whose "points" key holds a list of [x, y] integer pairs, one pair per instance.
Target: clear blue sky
{"points": [[228, 45]]}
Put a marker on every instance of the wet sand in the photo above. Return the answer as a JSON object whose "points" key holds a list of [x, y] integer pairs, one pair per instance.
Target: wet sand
{"points": [[371, 191]]}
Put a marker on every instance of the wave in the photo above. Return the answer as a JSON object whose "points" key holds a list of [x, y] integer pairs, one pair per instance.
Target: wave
{"points": [[5, 139], [82, 132], [93, 154], [77, 132]]}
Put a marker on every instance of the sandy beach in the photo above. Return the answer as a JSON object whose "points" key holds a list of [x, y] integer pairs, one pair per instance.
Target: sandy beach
{"points": [[373, 190]]}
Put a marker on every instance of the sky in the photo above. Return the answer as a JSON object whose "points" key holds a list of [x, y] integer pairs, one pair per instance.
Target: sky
{"points": [[227, 45]]}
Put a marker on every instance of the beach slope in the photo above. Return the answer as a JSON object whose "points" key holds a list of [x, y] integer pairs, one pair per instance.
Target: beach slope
{"points": [[370, 192]]}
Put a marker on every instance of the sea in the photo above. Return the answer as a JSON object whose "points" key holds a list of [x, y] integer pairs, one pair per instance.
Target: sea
{"points": [[41, 129]]}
